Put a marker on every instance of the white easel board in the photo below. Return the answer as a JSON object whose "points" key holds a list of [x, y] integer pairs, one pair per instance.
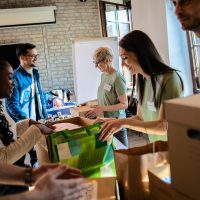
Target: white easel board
{"points": [[86, 76]]}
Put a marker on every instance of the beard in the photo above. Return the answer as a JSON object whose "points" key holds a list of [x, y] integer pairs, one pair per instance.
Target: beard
{"points": [[193, 26]]}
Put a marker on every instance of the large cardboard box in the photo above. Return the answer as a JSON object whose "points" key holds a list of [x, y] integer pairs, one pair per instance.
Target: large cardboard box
{"points": [[160, 187], [183, 116], [42, 147]]}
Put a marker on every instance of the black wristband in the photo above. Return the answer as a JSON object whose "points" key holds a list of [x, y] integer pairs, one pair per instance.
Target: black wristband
{"points": [[27, 176]]}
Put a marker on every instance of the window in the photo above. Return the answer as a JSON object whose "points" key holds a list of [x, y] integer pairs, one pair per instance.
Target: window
{"points": [[194, 48], [116, 22], [115, 19]]}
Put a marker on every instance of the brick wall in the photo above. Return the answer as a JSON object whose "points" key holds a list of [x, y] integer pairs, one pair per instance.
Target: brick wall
{"points": [[74, 20]]}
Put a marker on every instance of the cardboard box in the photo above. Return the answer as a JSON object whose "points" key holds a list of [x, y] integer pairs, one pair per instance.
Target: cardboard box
{"points": [[81, 121], [42, 147], [106, 188], [80, 111], [99, 189], [89, 189], [183, 116], [160, 189]]}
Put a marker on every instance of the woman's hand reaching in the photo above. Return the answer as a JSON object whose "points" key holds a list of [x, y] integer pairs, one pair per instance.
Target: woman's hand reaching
{"points": [[96, 111], [44, 129], [109, 128]]}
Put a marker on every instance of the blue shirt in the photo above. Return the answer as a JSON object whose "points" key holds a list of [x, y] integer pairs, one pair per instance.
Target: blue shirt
{"points": [[20, 105]]}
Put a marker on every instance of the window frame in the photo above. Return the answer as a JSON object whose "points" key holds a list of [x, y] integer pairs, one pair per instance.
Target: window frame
{"points": [[102, 7], [194, 68]]}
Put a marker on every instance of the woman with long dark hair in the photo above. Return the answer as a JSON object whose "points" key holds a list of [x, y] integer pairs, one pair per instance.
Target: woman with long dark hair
{"points": [[156, 82]]}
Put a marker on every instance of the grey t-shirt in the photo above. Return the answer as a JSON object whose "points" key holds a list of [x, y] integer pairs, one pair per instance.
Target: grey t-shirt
{"points": [[111, 87]]}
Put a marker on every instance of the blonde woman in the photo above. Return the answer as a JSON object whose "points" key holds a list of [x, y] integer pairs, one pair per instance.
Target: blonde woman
{"points": [[111, 95]]}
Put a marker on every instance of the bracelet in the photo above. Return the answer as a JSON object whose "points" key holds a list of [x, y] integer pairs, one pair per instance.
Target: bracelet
{"points": [[27, 176]]}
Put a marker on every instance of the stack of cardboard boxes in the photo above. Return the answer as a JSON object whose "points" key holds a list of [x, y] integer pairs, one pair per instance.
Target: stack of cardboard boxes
{"points": [[183, 116]]}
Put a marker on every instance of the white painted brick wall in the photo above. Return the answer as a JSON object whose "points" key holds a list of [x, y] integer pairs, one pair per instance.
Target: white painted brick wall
{"points": [[75, 20]]}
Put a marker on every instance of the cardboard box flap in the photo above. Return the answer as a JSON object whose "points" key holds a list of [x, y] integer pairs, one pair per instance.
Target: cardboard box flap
{"points": [[80, 111], [184, 110], [161, 171], [192, 101], [149, 148], [81, 121], [81, 108]]}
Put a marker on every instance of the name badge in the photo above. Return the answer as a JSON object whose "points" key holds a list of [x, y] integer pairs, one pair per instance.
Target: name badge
{"points": [[151, 106], [107, 87]]}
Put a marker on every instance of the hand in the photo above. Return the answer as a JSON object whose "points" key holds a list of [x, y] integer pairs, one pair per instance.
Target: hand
{"points": [[92, 114], [49, 124], [102, 119], [33, 122], [44, 129], [109, 128], [50, 187], [70, 172]]}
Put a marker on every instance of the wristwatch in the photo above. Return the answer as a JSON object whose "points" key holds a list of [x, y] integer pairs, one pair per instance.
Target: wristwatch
{"points": [[27, 176]]}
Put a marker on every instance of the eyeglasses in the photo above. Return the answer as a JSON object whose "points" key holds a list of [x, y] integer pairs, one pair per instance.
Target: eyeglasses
{"points": [[97, 62], [33, 56]]}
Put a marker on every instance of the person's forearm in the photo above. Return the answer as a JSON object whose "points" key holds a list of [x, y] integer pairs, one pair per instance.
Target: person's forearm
{"points": [[116, 107], [21, 146], [22, 126], [11, 174], [158, 127], [32, 195]]}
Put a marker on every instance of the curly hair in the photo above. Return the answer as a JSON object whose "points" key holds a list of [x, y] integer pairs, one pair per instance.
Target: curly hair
{"points": [[103, 53], [6, 136]]}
